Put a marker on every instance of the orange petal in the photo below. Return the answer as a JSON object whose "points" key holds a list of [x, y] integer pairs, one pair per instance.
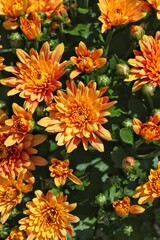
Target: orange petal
{"points": [[136, 209]]}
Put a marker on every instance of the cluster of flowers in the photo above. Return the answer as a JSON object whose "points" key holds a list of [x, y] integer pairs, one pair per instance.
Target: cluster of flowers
{"points": [[76, 115]]}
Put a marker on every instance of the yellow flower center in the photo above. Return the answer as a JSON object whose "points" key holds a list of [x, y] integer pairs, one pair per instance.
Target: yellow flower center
{"points": [[10, 194], [20, 125], [79, 115], [39, 78], [50, 217]]}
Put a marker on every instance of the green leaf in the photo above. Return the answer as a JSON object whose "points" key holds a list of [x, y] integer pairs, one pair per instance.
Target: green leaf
{"points": [[126, 134], [83, 10], [114, 112], [113, 62], [82, 30], [137, 108]]}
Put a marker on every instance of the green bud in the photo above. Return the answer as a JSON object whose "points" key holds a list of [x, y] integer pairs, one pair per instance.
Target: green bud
{"points": [[53, 43], [127, 123], [46, 23], [16, 40], [42, 15], [136, 32], [41, 37], [101, 199], [4, 231], [41, 111], [122, 69], [103, 80], [148, 89], [156, 111], [128, 230], [3, 104]]}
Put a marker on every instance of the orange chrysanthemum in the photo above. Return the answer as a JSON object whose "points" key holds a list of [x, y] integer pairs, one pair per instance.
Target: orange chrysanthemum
{"points": [[123, 207], [16, 127], [78, 116], [50, 7], [16, 234], [116, 13], [2, 66], [156, 5], [49, 217], [36, 76], [151, 189], [21, 156], [146, 63], [86, 61], [12, 9], [150, 130], [60, 171], [11, 190], [31, 27]]}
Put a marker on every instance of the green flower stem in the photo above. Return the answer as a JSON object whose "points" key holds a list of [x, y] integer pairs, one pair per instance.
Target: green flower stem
{"points": [[150, 155], [150, 101], [108, 40], [83, 4], [61, 34], [138, 143]]}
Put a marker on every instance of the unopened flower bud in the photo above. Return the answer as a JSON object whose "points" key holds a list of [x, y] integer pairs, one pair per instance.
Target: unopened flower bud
{"points": [[103, 80], [156, 111], [16, 40], [101, 199], [148, 89], [53, 43], [128, 230], [46, 23], [136, 32], [3, 104], [128, 163], [42, 15], [41, 111], [122, 69], [127, 123]]}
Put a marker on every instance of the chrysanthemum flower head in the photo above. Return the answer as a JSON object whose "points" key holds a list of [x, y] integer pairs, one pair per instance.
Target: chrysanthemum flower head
{"points": [[123, 207], [36, 75], [156, 6], [48, 217], [60, 171], [151, 189], [49, 7], [11, 190], [16, 234], [31, 26], [146, 64], [150, 130], [116, 13], [21, 156], [12, 9], [86, 60], [16, 127], [78, 115]]}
